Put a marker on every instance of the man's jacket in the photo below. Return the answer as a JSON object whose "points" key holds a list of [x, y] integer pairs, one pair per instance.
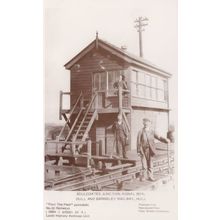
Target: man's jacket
{"points": [[146, 139], [120, 130]]}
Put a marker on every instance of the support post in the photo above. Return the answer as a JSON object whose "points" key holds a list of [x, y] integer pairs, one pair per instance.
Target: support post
{"points": [[73, 147], [98, 147], [61, 105], [96, 100], [57, 147], [168, 158], [120, 98], [89, 153], [101, 150]]}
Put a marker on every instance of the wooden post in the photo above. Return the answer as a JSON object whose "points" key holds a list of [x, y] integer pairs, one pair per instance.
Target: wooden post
{"points": [[73, 147], [140, 24], [96, 100], [61, 105], [100, 147], [57, 147], [101, 150], [168, 158], [89, 153], [97, 150], [120, 98]]}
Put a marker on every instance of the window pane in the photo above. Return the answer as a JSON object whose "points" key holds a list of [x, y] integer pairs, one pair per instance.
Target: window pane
{"points": [[160, 84], [103, 81], [147, 80], [134, 76], [141, 77], [165, 96], [96, 81], [165, 85], [153, 94], [113, 77], [133, 89], [153, 82], [160, 95], [122, 72], [147, 94], [117, 74], [111, 80], [141, 90], [166, 90]]}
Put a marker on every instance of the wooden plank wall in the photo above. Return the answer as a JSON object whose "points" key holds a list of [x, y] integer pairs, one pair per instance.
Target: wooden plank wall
{"points": [[81, 77], [141, 102], [113, 102]]}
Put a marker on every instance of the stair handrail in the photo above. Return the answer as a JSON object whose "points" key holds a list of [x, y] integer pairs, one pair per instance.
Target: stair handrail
{"points": [[87, 110], [71, 112], [70, 132], [90, 124], [126, 121]]}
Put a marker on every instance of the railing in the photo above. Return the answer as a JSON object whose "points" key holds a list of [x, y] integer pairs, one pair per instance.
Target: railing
{"points": [[70, 114], [83, 94], [126, 121], [90, 124], [74, 152], [74, 124], [87, 110], [115, 94], [61, 102]]}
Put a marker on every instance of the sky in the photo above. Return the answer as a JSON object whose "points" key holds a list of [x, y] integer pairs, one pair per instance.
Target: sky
{"points": [[70, 25]]}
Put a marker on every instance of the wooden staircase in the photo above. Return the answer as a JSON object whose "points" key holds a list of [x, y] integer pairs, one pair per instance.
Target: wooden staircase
{"points": [[80, 127]]}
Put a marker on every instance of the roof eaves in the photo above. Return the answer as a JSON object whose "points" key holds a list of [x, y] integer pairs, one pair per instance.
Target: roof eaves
{"points": [[82, 53], [131, 58]]}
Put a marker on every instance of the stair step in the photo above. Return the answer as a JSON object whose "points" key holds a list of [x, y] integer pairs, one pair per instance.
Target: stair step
{"points": [[83, 126], [86, 121], [88, 118], [79, 136]]}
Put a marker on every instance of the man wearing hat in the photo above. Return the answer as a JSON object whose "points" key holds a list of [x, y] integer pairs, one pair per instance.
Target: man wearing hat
{"points": [[121, 137], [146, 145], [122, 83]]}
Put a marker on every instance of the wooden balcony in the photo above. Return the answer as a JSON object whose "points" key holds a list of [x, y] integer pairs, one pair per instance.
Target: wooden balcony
{"points": [[105, 102]]}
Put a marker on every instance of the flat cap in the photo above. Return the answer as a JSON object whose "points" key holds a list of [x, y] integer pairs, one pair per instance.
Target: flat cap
{"points": [[146, 119]]}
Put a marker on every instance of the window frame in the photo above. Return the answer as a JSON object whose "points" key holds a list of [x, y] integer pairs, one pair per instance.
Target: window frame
{"points": [[150, 87], [116, 72]]}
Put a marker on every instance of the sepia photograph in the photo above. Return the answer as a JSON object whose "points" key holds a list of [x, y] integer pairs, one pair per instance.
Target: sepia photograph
{"points": [[110, 95], [103, 109]]}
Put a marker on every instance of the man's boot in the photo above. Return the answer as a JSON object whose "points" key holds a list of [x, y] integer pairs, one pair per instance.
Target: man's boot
{"points": [[125, 156], [150, 176]]}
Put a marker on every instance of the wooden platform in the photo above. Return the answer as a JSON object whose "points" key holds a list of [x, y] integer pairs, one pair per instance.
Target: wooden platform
{"points": [[105, 159]]}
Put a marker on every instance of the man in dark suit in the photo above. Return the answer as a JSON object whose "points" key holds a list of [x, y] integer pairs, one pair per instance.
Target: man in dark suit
{"points": [[121, 136], [146, 145], [122, 83]]}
